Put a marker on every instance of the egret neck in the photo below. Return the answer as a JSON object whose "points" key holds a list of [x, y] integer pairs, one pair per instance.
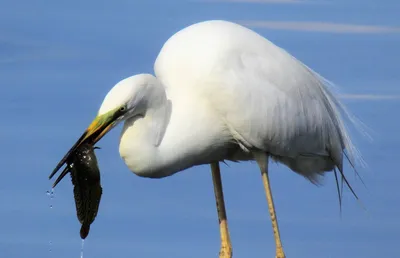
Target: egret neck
{"points": [[142, 135]]}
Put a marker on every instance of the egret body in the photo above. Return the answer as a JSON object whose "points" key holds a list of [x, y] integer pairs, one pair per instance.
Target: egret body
{"points": [[223, 92]]}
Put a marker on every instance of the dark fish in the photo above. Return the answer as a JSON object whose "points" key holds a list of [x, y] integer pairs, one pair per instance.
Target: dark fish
{"points": [[85, 175]]}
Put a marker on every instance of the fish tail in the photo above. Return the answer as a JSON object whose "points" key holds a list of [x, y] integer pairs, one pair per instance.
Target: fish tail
{"points": [[85, 230]]}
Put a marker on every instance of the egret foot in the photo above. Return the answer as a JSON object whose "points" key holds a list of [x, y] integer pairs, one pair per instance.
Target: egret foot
{"points": [[226, 246], [226, 250], [280, 253]]}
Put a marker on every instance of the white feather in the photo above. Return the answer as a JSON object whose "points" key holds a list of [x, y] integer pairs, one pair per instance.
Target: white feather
{"points": [[233, 92]]}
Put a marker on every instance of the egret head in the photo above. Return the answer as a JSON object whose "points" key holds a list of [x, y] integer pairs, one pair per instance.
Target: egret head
{"points": [[128, 98]]}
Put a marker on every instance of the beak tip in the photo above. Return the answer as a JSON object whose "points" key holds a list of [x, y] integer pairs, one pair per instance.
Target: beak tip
{"points": [[96, 130]]}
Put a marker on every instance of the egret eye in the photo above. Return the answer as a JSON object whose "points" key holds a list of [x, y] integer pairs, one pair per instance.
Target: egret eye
{"points": [[122, 109]]}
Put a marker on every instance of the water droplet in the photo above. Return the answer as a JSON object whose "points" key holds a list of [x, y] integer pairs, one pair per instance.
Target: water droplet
{"points": [[83, 242], [51, 195]]}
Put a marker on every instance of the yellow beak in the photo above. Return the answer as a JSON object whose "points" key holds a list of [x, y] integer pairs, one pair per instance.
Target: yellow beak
{"points": [[96, 130]]}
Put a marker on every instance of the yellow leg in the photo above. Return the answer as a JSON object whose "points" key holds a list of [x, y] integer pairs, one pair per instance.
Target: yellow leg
{"points": [[262, 160], [226, 246]]}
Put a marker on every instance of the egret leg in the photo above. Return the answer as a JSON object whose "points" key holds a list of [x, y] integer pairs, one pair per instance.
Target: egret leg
{"points": [[262, 160], [226, 246]]}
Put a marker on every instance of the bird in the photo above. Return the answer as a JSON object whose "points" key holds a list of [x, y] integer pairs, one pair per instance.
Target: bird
{"points": [[221, 92]]}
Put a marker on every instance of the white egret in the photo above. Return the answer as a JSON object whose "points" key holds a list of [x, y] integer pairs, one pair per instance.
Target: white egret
{"points": [[223, 92]]}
